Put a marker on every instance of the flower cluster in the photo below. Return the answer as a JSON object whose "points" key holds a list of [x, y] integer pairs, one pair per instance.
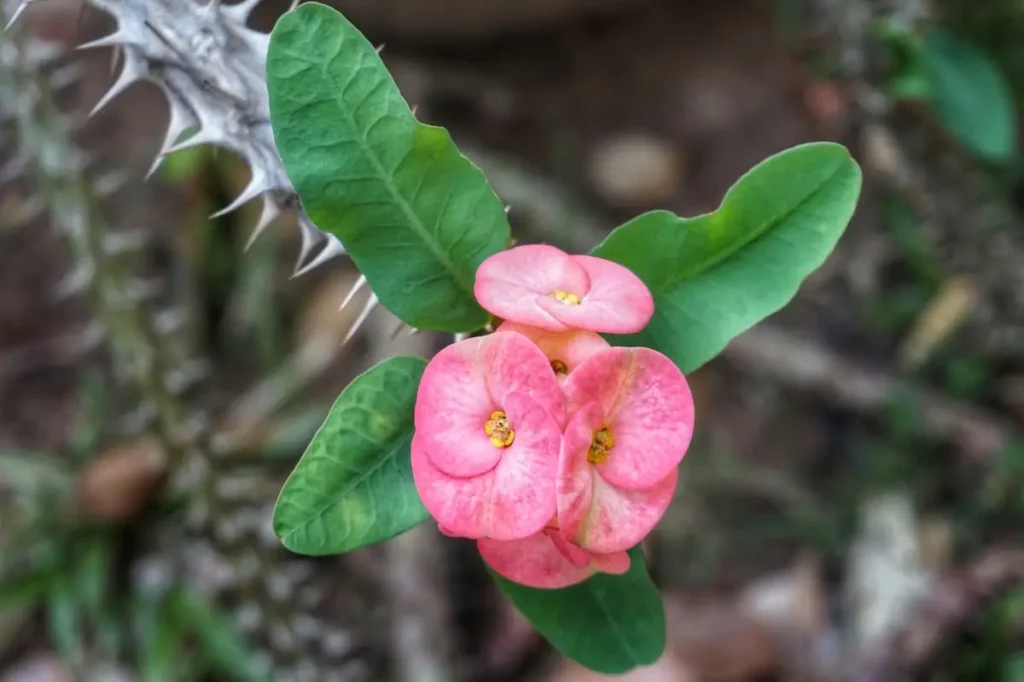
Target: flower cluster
{"points": [[553, 450]]}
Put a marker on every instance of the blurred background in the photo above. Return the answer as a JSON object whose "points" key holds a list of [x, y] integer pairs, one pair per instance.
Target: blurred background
{"points": [[851, 508]]}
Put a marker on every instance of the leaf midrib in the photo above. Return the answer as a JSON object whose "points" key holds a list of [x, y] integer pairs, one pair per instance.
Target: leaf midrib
{"points": [[769, 225], [391, 447], [623, 640], [386, 178]]}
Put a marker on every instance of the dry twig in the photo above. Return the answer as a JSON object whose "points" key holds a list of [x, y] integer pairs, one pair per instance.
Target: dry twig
{"points": [[807, 365], [941, 614]]}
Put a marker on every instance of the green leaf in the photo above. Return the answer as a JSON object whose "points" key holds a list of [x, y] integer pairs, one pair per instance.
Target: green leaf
{"points": [[416, 216], [222, 648], [161, 644], [608, 623], [716, 275], [34, 474], [970, 95], [909, 80], [353, 486], [25, 592], [91, 574], [91, 578], [910, 83], [65, 622], [160, 640]]}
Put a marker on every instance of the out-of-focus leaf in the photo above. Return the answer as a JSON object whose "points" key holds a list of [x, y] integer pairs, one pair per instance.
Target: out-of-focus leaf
{"points": [[92, 575], [92, 415], [905, 228], [33, 473], [1013, 669], [912, 83], [161, 642], [64, 618], [221, 646], [909, 79], [92, 581], [970, 95], [25, 592]]}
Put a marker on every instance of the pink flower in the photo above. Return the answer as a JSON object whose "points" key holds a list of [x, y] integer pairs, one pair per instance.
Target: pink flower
{"points": [[488, 421], [547, 561], [544, 287], [631, 421], [565, 350]]}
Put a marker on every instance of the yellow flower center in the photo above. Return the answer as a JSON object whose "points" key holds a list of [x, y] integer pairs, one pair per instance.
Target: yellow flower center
{"points": [[567, 298], [499, 431], [601, 446], [559, 367]]}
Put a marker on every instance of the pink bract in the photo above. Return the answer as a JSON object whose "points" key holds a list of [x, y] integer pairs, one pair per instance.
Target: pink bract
{"points": [[472, 487], [547, 561], [544, 287], [631, 422], [570, 348]]}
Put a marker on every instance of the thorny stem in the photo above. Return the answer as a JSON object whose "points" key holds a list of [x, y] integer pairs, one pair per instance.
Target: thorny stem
{"points": [[143, 355], [58, 170]]}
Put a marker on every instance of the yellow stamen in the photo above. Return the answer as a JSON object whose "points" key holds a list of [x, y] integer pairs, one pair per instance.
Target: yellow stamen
{"points": [[567, 298], [499, 431], [559, 367], [601, 446]]}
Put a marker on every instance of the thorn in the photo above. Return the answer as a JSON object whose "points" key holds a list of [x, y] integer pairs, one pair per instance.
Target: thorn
{"points": [[398, 330], [89, 338], [257, 41], [74, 283], [186, 375], [415, 108], [74, 123], [201, 138], [109, 184], [115, 39], [507, 209], [115, 57], [380, 48], [142, 417], [131, 72], [295, 3], [140, 290], [187, 431], [368, 307], [17, 13], [117, 243], [64, 76], [154, 167], [181, 120], [39, 53], [14, 168], [307, 232], [413, 330], [241, 11], [461, 336], [170, 321], [331, 249], [257, 186], [269, 214], [356, 288], [27, 211]]}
